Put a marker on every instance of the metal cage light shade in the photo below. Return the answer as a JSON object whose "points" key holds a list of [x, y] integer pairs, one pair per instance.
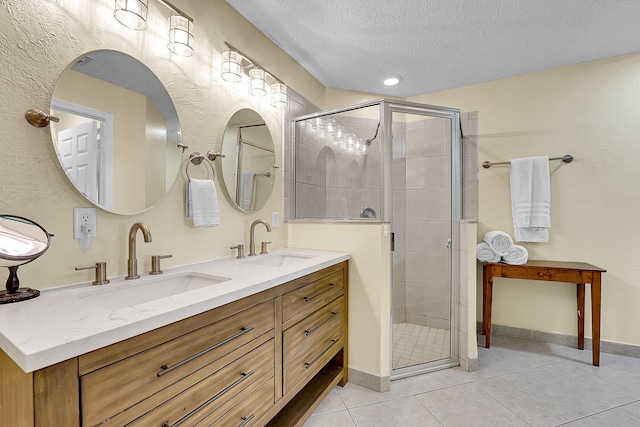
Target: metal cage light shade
{"points": [[279, 95], [131, 13], [180, 36], [231, 66], [257, 82]]}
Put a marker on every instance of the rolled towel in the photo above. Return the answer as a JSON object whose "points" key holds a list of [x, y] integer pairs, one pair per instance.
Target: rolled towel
{"points": [[484, 253], [499, 241], [517, 255]]}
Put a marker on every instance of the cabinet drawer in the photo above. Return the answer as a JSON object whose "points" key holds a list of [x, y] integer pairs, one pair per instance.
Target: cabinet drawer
{"points": [[210, 395], [302, 334], [176, 364], [244, 412], [298, 303], [306, 363]]}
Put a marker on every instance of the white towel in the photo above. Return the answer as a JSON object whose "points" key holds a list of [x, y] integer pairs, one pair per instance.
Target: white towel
{"points": [[498, 241], [202, 203], [484, 253], [517, 255], [531, 198], [247, 197]]}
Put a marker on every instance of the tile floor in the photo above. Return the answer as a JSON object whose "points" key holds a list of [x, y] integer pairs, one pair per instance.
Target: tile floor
{"points": [[518, 383], [415, 344]]}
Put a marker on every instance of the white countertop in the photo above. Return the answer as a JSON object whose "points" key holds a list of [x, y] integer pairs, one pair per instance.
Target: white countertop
{"points": [[67, 322]]}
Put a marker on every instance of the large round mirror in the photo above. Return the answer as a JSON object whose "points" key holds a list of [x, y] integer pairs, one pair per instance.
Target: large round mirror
{"points": [[21, 241], [118, 134], [248, 168]]}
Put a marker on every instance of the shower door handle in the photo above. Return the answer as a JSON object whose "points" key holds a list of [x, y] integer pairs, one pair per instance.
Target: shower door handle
{"points": [[449, 244]]}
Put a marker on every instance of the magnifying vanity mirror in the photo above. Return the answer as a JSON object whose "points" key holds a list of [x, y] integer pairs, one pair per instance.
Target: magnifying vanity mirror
{"points": [[21, 241], [248, 168], [118, 138]]}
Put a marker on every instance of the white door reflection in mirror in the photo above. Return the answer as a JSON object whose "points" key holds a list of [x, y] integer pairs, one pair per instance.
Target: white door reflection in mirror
{"points": [[78, 148]]}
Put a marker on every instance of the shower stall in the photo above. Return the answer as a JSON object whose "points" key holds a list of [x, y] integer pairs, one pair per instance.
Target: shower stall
{"points": [[398, 163]]}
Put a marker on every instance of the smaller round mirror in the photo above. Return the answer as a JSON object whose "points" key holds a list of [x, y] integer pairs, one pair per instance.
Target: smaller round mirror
{"points": [[248, 166], [21, 241]]}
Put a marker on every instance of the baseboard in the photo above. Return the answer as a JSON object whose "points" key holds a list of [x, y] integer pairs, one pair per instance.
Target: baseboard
{"points": [[610, 347], [370, 381]]}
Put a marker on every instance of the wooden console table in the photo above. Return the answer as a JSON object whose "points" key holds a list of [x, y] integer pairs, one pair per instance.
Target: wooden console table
{"points": [[554, 271]]}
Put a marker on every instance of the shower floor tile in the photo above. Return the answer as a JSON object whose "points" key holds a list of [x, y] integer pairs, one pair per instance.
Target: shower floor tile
{"points": [[415, 344]]}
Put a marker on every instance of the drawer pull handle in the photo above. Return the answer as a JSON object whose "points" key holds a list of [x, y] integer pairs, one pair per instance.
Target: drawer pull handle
{"points": [[208, 402], [315, 328], [246, 420], [309, 364], [320, 292], [166, 368]]}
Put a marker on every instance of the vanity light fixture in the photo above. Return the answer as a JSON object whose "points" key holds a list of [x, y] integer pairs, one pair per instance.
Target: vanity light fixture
{"points": [[180, 35], [235, 65], [133, 14], [257, 82], [231, 66]]}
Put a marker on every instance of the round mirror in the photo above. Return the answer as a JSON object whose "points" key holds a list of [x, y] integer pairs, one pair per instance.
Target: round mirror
{"points": [[248, 168], [21, 241], [118, 138]]}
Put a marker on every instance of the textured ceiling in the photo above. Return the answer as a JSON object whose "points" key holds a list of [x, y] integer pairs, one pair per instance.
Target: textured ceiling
{"points": [[441, 44]]}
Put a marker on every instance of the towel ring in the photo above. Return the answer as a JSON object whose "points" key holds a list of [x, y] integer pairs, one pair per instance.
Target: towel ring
{"points": [[196, 158]]}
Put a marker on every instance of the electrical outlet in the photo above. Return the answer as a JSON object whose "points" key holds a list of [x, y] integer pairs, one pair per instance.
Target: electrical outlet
{"points": [[84, 216], [275, 219]]}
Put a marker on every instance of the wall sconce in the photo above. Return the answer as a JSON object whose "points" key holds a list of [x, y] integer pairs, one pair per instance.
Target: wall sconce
{"points": [[133, 14], [231, 66], [180, 36], [257, 82], [236, 64]]}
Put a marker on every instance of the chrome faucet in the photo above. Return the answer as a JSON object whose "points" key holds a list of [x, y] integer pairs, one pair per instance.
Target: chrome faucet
{"points": [[132, 263], [252, 242]]}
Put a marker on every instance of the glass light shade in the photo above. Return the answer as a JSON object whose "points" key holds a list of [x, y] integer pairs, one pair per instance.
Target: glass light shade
{"points": [[318, 124], [279, 95], [231, 66], [330, 126], [338, 137], [180, 36], [350, 142], [132, 13], [257, 82]]}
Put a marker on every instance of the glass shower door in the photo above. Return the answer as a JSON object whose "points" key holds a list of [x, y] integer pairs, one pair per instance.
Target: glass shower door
{"points": [[422, 226]]}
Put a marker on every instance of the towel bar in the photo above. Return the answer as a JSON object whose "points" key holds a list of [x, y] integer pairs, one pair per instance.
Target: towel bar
{"points": [[567, 158]]}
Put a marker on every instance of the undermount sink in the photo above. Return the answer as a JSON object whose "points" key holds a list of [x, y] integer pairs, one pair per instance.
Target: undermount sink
{"points": [[132, 293], [278, 260]]}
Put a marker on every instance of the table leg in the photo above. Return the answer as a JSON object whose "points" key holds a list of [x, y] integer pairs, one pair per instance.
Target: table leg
{"points": [[580, 316], [595, 316], [487, 294]]}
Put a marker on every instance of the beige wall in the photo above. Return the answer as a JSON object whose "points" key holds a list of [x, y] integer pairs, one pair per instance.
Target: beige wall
{"points": [[39, 39], [591, 111]]}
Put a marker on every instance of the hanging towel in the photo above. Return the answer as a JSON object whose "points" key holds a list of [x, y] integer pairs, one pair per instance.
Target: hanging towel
{"points": [[531, 198], [517, 255], [246, 190], [498, 241], [484, 253], [202, 203]]}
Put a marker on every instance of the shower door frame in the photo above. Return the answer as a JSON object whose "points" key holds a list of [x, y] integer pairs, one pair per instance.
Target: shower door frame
{"points": [[453, 114]]}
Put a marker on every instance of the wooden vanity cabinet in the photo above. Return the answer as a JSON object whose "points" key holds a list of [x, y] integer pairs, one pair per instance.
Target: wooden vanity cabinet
{"points": [[265, 359]]}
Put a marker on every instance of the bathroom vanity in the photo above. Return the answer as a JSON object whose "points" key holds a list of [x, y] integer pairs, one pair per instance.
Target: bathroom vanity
{"points": [[262, 343]]}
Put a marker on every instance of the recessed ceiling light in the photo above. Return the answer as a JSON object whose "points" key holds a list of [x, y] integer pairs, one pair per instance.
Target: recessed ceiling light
{"points": [[392, 81]]}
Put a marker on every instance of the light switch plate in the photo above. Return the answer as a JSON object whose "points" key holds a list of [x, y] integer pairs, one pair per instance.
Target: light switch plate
{"points": [[275, 219]]}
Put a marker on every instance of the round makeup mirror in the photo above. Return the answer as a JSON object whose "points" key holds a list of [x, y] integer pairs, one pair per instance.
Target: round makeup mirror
{"points": [[118, 138], [248, 168], [21, 241]]}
